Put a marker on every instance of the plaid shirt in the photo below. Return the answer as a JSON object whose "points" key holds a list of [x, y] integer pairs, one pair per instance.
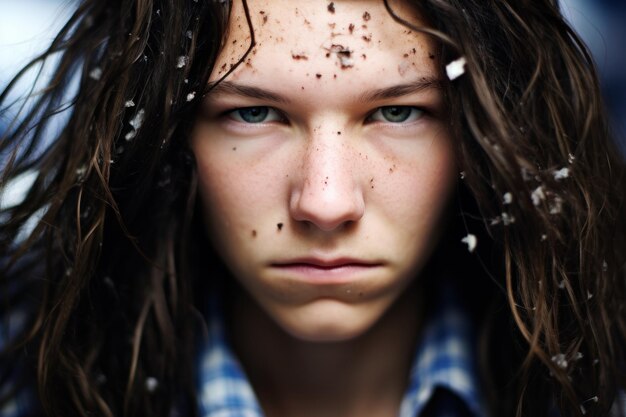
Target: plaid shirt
{"points": [[443, 380]]}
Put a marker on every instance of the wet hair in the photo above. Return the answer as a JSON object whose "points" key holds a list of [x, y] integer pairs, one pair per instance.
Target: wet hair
{"points": [[107, 273]]}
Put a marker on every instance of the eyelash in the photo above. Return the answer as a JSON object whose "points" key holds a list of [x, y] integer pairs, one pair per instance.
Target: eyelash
{"points": [[415, 113]]}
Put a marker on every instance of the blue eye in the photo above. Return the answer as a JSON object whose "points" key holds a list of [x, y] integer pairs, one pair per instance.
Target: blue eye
{"points": [[258, 114], [396, 114]]}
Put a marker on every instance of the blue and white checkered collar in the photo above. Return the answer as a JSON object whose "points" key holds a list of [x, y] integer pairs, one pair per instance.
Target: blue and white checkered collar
{"points": [[444, 359]]}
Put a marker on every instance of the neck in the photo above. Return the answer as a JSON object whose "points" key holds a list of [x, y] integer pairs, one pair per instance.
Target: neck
{"points": [[363, 376]]}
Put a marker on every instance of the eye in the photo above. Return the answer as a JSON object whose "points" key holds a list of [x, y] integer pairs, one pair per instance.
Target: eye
{"points": [[396, 114], [257, 114]]}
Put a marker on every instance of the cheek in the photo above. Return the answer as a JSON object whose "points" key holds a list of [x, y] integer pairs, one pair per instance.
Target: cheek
{"points": [[416, 194], [424, 167], [238, 197]]}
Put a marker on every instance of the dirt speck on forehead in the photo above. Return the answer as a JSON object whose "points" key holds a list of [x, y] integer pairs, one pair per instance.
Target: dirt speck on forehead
{"points": [[343, 54]]}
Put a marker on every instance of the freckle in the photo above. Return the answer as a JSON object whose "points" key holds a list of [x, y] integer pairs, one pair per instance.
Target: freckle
{"points": [[431, 55], [366, 16], [334, 75], [331, 7], [351, 27], [339, 133], [406, 55], [234, 148], [327, 54], [318, 75], [302, 87], [254, 233], [364, 56], [279, 226], [413, 50]]}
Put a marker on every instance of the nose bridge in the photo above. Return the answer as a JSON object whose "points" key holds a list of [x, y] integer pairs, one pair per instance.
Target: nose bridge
{"points": [[328, 193]]}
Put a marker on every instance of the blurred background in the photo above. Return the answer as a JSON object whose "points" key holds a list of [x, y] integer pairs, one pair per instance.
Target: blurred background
{"points": [[27, 26]]}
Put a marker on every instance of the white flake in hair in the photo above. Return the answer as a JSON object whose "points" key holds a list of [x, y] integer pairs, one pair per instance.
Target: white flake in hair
{"points": [[507, 198], [151, 384], [456, 68], [129, 103], [471, 241], [570, 158], [538, 195], [561, 173], [560, 361], [557, 205], [182, 61], [95, 73], [191, 96], [137, 121], [507, 219]]}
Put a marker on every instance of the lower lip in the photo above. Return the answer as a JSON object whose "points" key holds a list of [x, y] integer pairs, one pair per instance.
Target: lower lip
{"points": [[325, 275]]}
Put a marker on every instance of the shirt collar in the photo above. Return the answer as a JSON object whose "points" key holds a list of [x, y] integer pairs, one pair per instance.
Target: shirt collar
{"points": [[445, 358]]}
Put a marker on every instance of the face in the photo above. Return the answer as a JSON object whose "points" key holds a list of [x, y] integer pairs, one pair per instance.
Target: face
{"points": [[324, 161]]}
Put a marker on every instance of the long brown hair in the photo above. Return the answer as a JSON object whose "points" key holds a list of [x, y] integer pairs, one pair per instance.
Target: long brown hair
{"points": [[107, 275]]}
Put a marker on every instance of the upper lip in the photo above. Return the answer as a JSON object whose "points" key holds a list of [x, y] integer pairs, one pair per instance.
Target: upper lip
{"points": [[326, 263]]}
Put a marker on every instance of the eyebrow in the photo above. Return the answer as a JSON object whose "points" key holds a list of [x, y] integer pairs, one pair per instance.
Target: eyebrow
{"points": [[229, 87], [424, 83]]}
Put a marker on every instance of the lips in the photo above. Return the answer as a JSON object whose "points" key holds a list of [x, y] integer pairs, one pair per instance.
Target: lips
{"points": [[326, 271], [326, 263]]}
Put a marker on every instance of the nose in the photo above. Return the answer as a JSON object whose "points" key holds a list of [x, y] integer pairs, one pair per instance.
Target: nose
{"points": [[327, 193]]}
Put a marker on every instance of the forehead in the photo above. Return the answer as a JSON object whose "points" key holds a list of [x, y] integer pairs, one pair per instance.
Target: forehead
{"points": [[350, 41]]}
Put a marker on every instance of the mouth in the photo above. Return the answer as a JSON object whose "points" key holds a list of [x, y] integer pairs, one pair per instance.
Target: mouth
{"points": [[326, 271]]}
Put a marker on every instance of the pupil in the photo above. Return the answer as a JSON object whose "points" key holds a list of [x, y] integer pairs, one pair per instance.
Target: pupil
{"points": [[253, 114], [396, 114]]}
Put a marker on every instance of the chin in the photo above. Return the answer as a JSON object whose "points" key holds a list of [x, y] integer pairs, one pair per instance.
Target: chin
{"points": [[328, 321]]}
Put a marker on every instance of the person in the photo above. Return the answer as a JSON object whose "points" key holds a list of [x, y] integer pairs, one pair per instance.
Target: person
{"points": [[374, 208]]}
